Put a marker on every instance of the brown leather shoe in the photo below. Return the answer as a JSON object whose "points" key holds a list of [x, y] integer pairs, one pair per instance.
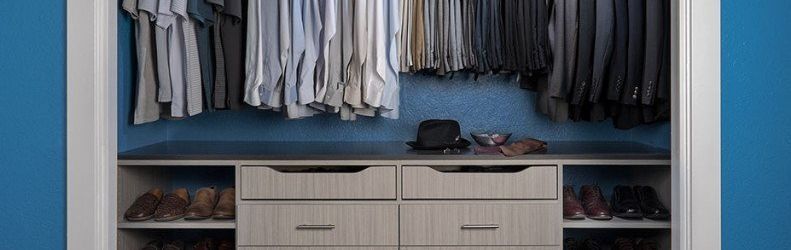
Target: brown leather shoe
{"points": [[154, 245], [525, 146], [203, 204], [623, 244], [595, 205], [226, 245], [647, 245], [173, 206], [204, 244], [174, 245], [226, 206], [144, 206], [572, 209]]}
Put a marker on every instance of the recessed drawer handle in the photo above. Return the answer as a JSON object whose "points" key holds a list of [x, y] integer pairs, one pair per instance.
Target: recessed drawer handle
{"points": [[480, 226], [316, 227]]}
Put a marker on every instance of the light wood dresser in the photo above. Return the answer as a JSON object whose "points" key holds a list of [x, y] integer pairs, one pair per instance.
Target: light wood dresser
{"points": [[373, 195]]}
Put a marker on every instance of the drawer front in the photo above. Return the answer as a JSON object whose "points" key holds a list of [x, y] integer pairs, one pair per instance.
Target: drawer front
{"points": [[481, 225], [265, 183], [317, 225], [534, 182]]}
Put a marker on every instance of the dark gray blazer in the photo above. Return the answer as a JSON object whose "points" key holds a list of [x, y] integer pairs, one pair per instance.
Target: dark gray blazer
{"points": [[602, 51], [654, 39], [635, 50], [617, 71], [587, 34]]}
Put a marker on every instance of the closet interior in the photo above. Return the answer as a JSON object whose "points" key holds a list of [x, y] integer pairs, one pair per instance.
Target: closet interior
{"points": [[317, 163]]}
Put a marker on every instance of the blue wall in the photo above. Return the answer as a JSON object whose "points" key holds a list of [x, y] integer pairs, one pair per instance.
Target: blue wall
{"points": [[756, 115], [491, 103], [32, 124]]}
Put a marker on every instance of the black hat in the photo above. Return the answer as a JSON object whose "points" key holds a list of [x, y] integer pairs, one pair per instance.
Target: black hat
{"points": [[439, 135]]}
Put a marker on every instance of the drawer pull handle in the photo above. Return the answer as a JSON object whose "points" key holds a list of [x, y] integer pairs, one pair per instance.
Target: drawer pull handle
{"points": [[480, 226], [315, 227]]}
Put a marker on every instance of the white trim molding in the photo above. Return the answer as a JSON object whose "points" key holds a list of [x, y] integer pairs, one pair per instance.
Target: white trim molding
{"points": [[92, 124], [696, 128], [91, 100]]}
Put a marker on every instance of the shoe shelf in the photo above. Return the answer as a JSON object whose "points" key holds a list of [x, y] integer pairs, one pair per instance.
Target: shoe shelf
{"points": [[179, 224], [616, 223]]}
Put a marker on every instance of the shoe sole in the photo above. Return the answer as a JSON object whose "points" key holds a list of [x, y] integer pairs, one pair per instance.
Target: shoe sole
{"points": [[600, 217], [171, 218], [141, 218], [661, 217], [224, 217], [575, 217], [196, 217], [629, 216]]}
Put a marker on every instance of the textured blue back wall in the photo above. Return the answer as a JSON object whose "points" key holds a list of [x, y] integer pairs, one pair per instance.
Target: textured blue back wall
{"points": [[493, 102], [33, 124], [756, 140]]}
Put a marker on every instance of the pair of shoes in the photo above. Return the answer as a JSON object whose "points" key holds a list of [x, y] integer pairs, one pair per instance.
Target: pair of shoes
{"points": [[629, 244], [209, 204], [203, 244], [637, 202], [161, 245], [587, 244], [176, 205], [592, 205], [153, 205]]}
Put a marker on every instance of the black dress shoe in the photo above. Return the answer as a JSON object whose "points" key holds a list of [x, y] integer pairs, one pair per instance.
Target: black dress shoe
{"points": [[650, 204], [625, 203], [647, 245], [623, 244], [590, 244], [571, 244]]}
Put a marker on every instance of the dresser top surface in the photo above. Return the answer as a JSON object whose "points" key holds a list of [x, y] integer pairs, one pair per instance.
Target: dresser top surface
{"points": [[226, 150]]}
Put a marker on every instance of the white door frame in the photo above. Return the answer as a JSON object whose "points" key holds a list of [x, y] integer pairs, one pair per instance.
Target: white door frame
{"points": [[92, 124]]}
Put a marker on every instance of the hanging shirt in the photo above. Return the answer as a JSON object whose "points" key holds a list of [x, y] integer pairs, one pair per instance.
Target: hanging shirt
{"points": [[203, 15], [232, 31], [174, 41], [311, 20], [253, 56], [192, 60], [391, 95], [337, 59], [376, 63], [220, 89], [146, 106], [353, 93], [277, 40], [165, 93], [329, 24]]}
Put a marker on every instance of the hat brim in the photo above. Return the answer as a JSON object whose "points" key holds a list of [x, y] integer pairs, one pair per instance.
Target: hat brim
{"points": [[462, 143]]}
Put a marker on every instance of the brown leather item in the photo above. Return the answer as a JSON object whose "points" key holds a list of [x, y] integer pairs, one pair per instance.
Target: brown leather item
{"points": [[226, 245], [226, 206], [595, 205], [144, 206], [623, 244], [154, 245], [204, 244], [647, 245], [572, 209], [523, 147], [173, 206], [203, 204], [174, 245]]}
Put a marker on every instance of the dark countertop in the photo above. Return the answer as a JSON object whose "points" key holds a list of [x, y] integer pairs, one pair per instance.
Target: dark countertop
{"points": [[225, 150]]}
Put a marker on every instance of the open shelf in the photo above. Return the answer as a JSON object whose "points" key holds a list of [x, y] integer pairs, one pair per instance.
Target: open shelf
{"points": [[616, 223], [179, 224]]}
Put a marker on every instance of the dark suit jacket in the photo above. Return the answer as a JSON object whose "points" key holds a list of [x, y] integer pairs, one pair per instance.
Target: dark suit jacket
{"points": [[602, 51], [617, 71], [636, 50], [587, 34], [654, 39]]}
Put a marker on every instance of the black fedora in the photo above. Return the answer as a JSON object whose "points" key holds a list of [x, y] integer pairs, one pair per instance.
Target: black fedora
{"points": [[439, 135]]}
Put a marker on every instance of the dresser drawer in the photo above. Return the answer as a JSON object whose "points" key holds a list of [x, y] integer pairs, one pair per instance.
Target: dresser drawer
{"points": [[526, 182], [267, 183], [480, 225], [317, 225]]}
